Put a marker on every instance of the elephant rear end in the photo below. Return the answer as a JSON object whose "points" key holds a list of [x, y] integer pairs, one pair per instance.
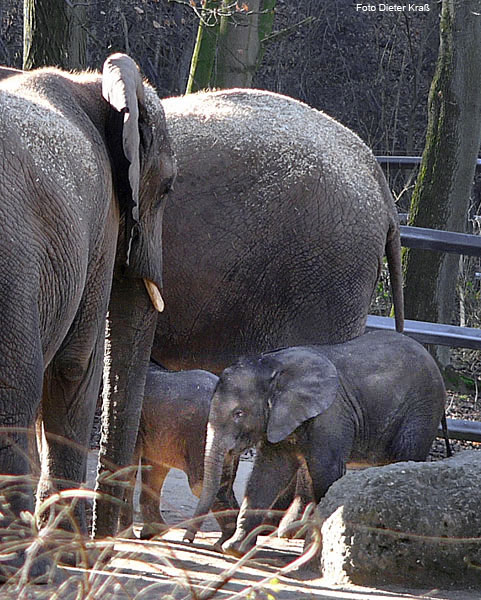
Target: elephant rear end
{"points": [[277, 226], [174, 419], [400, 392]]}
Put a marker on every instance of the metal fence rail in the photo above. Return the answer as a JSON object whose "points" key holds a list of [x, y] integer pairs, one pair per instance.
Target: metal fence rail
{"points": [[432, 333], [405, 161], [443, 241], [436, 333]]}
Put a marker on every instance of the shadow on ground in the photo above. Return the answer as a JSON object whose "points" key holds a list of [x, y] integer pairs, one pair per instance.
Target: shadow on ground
{"points": [[169, 568]]}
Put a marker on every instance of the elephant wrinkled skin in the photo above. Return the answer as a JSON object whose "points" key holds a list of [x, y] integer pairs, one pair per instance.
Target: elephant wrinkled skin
{"points": [[274, 233], [86, 166], [373, 400]]}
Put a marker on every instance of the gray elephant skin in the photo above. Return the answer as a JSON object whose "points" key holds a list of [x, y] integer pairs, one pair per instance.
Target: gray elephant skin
{"points": [[275, 232], [373, 400], [172, 434], [86, 167]]}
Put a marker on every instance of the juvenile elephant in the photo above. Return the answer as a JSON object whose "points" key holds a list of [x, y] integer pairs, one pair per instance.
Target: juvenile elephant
{"points": [[172, 434], [274, 233], [86, 167], [376, 399]]}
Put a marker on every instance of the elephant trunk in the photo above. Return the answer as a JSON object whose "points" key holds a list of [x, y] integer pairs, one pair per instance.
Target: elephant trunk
{"points": [[213, 467], [130, 330]]}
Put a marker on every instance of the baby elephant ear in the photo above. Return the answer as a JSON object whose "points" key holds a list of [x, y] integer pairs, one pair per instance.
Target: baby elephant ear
{"points": [[123, 89], [305, 386]]}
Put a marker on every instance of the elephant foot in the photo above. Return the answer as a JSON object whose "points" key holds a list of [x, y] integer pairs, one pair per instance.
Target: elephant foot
{"points": [[223, 538], [232, 550], [236, 547], [189, 535], [152, 530], [127, 532], [292, 525], [85, 558]]}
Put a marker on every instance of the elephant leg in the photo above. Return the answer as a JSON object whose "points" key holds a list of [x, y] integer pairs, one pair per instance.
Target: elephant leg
{"points": [[126, 517], [20, 393], [153, 477], [325, 467], [16, 429], [71, 386], [70, 392], [413, 440], [303, 495], [274, 467], [68, 409]]}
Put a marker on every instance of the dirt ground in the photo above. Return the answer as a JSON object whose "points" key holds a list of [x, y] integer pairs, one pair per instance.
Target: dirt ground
{"points": [[172, 569]]}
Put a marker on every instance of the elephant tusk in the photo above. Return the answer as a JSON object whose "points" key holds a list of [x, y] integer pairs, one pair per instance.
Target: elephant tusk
{"points": [[154, 295]]}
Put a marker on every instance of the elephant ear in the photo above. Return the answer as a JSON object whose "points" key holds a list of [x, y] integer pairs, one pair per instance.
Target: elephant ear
{"points": [[123, 89], [304, 385]]}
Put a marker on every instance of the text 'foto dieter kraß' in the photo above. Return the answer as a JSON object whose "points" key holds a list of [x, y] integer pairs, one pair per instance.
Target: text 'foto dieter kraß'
{"points": [[390, 8]]}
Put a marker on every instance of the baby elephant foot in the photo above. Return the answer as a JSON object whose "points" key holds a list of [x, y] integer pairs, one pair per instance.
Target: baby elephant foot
{"points": [[291, 525], [152, 530], [189, 535], [297, 520], [223, 538], [237, 547]]}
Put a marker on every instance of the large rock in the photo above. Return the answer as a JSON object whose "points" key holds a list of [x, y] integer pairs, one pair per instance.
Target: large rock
{"points": [[409, 523]]}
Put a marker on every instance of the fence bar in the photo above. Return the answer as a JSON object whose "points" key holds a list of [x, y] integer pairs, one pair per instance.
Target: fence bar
{"points": [[403, 161], [431, 333], [444, 241], [460, 429]]}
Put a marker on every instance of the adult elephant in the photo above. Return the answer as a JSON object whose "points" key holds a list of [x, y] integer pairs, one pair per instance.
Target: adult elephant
{"points": [[275, 232], [86, 166]]}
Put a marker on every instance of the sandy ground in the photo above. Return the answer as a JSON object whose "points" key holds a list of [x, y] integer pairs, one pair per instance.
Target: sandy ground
{"points": [[169, 568]]}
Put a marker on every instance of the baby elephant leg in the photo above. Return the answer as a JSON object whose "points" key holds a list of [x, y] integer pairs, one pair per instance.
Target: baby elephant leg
{"points": [[290, 526], [274, 467], [413, 439], [153, 477]]}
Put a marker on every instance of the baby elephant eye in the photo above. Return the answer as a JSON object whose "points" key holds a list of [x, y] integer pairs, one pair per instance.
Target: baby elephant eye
{"points": [[238, 414]]}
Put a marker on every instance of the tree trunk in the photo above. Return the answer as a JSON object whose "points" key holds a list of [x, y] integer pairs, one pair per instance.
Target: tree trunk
{"points": [[54, 34], [238, 48], [227, 54], [441, 195], [203, 57]]}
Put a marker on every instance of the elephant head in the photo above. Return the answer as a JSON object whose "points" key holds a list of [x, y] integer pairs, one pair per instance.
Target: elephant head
{"points": [[143, 169], [262, 399]]}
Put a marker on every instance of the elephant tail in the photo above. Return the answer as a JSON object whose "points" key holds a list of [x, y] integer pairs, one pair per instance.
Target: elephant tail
{"points": [[444, 425], [393, 254]]}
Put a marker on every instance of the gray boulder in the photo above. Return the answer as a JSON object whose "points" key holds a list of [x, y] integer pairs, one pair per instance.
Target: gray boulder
{"points": [[410, 523]]}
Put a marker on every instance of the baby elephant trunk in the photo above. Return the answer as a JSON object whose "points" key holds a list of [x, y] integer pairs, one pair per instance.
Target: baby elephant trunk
{"points": [[213, 466]]}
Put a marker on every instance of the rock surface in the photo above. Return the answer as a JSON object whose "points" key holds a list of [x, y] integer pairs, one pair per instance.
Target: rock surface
{"points": [[409, 523]]}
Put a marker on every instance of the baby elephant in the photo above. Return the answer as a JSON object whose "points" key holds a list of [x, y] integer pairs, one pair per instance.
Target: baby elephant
{"points": [[373, 400], [172, 435]]}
